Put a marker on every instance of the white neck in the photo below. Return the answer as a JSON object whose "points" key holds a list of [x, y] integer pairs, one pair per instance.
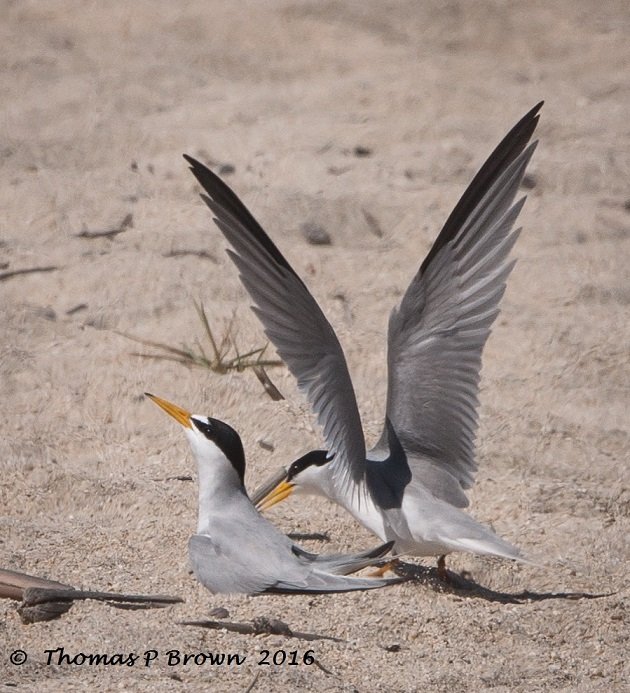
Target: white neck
{"points": [[217, 479], [318, 480]]}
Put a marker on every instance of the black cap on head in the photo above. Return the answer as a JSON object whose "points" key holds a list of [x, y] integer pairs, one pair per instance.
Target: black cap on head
{"points": [[226, 439], [314, 457]]}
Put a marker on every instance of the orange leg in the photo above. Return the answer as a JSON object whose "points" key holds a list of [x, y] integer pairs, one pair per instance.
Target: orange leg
{"points": [[441, 569], [390, 565]]}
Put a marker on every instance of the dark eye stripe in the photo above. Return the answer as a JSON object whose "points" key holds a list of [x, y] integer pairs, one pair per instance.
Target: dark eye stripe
{"points": [[314, 457], [205, 428], [227, 439]]}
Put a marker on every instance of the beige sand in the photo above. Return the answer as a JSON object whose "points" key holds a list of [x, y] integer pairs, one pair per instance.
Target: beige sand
{"points": [[99, 102]]}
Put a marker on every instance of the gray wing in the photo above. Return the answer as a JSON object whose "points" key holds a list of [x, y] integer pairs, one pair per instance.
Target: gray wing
{"points": [[234, 568], [294, 323], [437, 334], [221, 573]]}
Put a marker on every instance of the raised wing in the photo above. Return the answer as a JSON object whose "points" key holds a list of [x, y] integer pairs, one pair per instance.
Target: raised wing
{"points": [[437, 334], [295, 324]]}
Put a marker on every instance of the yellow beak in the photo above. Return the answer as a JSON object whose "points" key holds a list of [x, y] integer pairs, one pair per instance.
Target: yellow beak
{"points": [[179, 414], [277, 494]]}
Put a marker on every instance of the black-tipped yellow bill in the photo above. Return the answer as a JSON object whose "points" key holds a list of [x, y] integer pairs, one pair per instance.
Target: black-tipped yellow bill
{"points": [[179, 414], [277, 494]]}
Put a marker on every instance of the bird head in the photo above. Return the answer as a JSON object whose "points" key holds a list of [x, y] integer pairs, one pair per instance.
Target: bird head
{"points": [[213, 442], [308, 474]]}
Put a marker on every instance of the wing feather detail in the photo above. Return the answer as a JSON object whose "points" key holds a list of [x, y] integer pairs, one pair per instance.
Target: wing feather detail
{"points": [[295, 324], [437, 334]]}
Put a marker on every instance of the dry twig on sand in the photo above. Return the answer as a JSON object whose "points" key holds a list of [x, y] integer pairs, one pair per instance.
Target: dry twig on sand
{"points": [[125, 224], [28, 270], [260, 626], [44, 600]]}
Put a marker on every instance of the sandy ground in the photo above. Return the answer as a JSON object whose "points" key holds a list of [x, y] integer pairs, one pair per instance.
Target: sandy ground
{"points": [[99, 102]]}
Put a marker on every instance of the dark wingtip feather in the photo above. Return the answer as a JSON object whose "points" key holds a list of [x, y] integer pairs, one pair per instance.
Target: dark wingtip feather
{"points": [[361, 584], [380, 551], [504, 154], [222, 200]]}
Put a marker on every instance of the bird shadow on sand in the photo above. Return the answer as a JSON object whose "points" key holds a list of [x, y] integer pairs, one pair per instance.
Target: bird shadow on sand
{"points": [[462, 585]]}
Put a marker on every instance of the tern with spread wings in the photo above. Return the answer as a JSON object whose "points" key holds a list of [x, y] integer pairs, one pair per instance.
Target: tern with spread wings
{"points": [[411, 486]]}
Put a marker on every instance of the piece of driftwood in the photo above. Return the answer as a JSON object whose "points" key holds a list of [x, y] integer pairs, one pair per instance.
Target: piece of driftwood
{"points": [[260, 626], [13, 584], [41, 604], [44, 600]]}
